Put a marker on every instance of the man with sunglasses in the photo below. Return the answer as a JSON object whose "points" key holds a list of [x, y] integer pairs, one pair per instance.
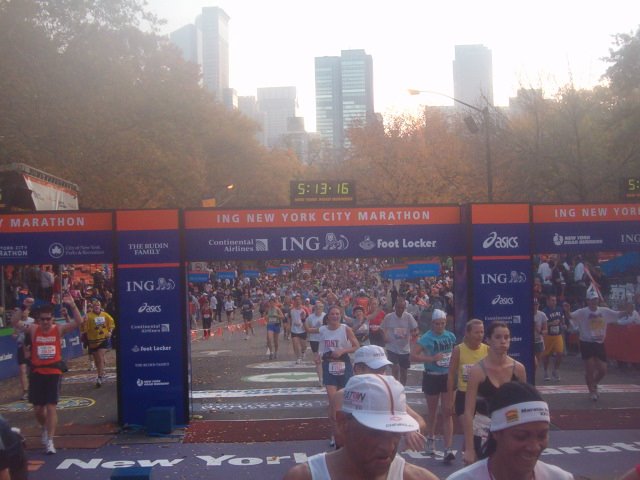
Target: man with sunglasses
{"points": [[46, 365]]}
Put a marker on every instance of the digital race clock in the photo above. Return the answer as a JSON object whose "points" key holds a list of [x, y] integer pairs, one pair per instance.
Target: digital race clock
{"points": [[322, 192], [631, 188]]}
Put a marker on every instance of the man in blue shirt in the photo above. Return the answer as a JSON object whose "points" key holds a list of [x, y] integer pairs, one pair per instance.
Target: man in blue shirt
{"points": [[434, 349]]}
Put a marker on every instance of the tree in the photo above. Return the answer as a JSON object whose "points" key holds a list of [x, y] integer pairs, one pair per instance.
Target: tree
{"points": [[88, 96]]}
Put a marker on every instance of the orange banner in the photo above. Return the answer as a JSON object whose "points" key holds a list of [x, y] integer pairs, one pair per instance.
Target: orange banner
{"points": [[586, 213], [56, 222], [331, 217], [497, 213], [136, 220]]}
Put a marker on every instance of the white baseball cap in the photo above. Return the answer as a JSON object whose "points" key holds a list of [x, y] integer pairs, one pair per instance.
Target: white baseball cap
{"points": [[438, 315], [592, 294], [372, 356], [378, 402]]}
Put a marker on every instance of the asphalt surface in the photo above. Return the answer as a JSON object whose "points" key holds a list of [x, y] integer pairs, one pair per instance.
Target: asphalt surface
{"points": [[233, 379]]}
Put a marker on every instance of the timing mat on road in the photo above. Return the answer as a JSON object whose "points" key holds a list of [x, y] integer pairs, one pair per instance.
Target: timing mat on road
{"points": [[264, 392]]}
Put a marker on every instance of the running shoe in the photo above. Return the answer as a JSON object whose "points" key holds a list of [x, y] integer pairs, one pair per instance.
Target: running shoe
{"points": [[50, 448], [298, 361], [44, 437], [555, 376], [25, 395], [430, 446], [449, 456], [332, 442], [270, 356], [547, 378], [99, 382]]}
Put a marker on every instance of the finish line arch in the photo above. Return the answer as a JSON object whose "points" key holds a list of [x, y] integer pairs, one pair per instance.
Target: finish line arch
{"points": [[150, 249]]}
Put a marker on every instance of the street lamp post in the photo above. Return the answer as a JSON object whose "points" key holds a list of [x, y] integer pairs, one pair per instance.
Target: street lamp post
{"points": [[212, 201], [487, 138]]}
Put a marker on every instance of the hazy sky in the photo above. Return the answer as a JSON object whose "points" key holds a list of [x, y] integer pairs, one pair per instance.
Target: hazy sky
{"points": [[543, 43]]}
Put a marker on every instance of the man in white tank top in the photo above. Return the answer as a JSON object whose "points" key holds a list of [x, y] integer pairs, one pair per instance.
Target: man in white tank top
{"points": [[372, 419]]}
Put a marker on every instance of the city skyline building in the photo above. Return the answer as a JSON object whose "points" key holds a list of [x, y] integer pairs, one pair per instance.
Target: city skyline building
{"points": [[206, 42], [473, 75], [278, 106], [344, 95]]}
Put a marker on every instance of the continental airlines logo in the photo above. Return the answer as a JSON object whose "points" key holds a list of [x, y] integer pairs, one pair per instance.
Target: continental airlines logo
{"points": [[244, 245]]}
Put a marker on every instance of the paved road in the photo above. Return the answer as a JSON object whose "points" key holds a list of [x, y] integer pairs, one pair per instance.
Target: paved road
{"points": [[233, 379]]}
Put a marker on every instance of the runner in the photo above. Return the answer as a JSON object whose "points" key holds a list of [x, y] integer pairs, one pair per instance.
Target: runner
{"points": [[46, 366], [372, 420], [274, 322], [98, 326], [372, 359], [312, 325], [553, 341], [376, 337], [207, 317], [519, 434], [298, 315], [360, 325], [485, 377], [591, 323], [246, 306], [464, 356], [540, 322], [337, 341], [229, 308], [434, 349], [398, 328]]}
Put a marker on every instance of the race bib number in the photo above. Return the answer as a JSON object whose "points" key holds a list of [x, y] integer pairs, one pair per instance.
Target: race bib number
{"points": [[337, 368], [481, 425], [597, 327], [100, 321], [46, 352], [444, 361], [374, 328], [400, 333], [465, 372], [206, 315], [554, 330]]}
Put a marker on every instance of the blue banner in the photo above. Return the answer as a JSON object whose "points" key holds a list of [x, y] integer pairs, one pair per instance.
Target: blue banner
{"points": [[145, 247], [198, 277], [503, 292], [58, 247], [71, 345], [417, 270], [321, 242], [396, 274], [8, 357], [226, 275], [587, 237], [153, 355], [501, 239], [151, 342], [251, 273]]}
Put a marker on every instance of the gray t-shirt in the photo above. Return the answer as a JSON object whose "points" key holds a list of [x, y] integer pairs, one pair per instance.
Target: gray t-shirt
{"points": [[398, 331]]}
